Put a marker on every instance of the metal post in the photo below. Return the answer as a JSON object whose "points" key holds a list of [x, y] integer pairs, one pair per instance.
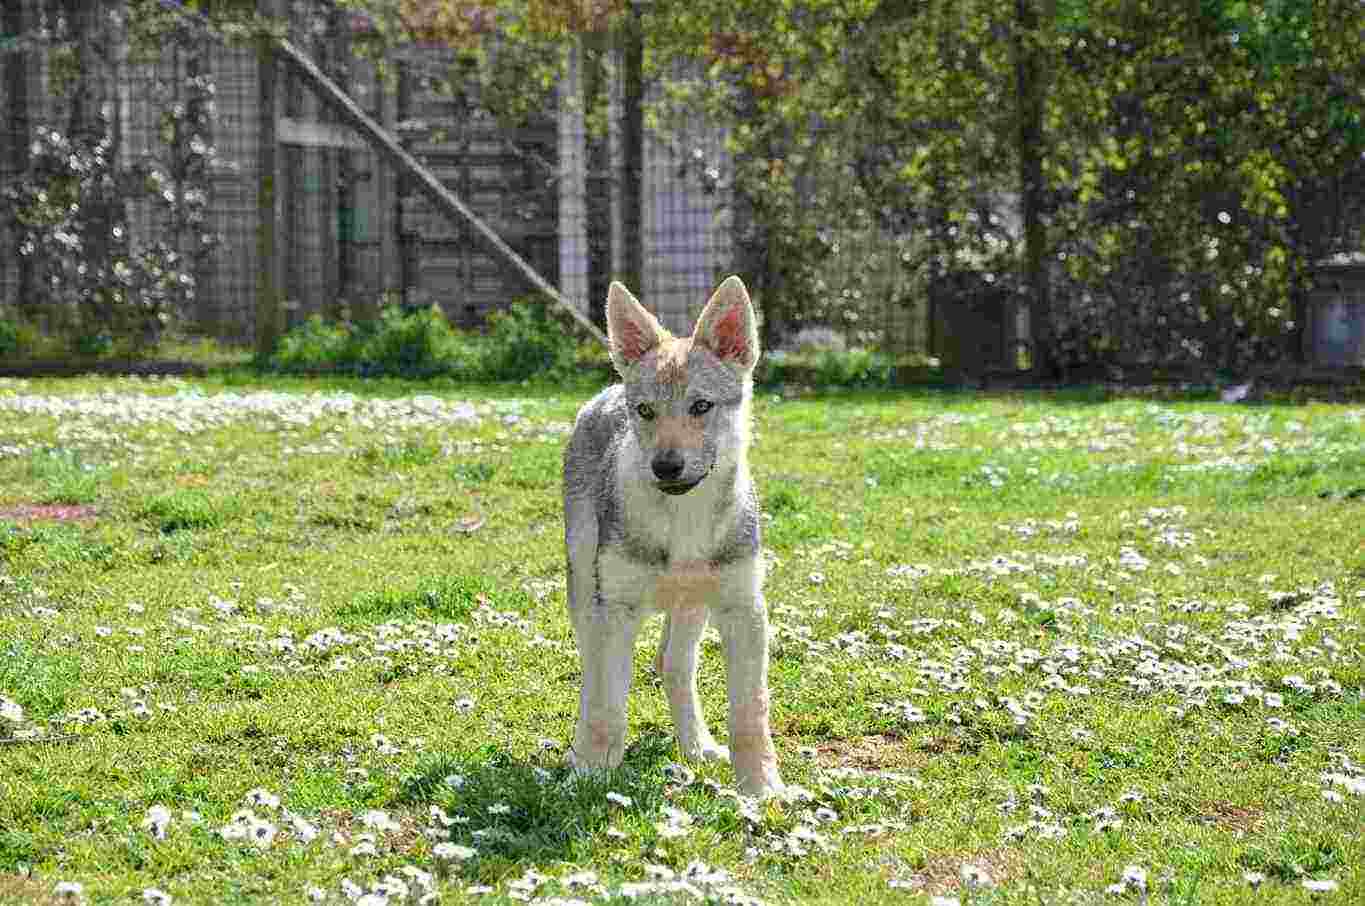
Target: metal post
{"points": [[269, 304]]}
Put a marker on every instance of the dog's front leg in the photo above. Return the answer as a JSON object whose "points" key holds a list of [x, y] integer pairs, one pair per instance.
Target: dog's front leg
{"points": [[742, 620], [606, 642]]}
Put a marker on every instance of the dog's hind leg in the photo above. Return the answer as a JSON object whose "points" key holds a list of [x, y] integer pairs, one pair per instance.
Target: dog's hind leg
{"points": [[677, 666]]}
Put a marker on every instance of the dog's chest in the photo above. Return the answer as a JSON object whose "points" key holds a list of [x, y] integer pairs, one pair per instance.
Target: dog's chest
{"points": [[672, 545], [674, 530]]}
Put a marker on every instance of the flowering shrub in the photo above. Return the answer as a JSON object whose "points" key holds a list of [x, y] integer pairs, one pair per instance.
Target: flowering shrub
{"points": [[68, 220]]}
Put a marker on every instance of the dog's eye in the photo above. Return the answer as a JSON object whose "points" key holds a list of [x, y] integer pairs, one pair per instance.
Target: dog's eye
{"points": [[646, 411], [701, 407]]}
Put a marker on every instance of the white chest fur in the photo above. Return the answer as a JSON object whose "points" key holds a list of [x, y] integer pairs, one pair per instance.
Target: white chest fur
{"points": [[688, 526], [688, 529]]}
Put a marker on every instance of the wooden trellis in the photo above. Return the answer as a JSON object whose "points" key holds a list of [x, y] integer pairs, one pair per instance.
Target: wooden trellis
{"points": [[354, 130]]}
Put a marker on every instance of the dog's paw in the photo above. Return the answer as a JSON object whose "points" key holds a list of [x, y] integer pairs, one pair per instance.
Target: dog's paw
{"points": [[765, 789], [581, 764], [704, 749], [711, 751], [763, 786]]}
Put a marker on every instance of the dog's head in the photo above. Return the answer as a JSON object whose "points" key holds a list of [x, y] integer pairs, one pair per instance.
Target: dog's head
{"points": [[687, 396]]}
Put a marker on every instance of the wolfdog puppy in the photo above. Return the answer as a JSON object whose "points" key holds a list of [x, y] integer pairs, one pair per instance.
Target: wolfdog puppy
{"points": [[660, 515]]}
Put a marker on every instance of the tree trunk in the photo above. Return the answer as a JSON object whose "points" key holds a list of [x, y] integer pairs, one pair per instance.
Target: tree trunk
{"points": [[269, 303], [1031, 92], [17, 18]]}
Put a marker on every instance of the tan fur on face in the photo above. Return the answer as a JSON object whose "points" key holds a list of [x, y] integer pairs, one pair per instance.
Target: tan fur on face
{"points": [[671, 364], [680, 432], [676, 432]]}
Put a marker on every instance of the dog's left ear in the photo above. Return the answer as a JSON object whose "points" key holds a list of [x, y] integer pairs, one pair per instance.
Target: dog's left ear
{"points": [[728, 326]]}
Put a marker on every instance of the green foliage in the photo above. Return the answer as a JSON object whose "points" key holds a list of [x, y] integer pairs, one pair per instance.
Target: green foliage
{"points": [[854, 368], [1298, 854], [473, 473], [42, 680], [64, 479], [520, 343], [415, 343], [9, 338], [407, 343], [315, 345], [444, 598], [1197, 157], [59, 545], [1192, 154], [178, 510], [17, 850], [828, 368], [518, 814], [524, 342]]}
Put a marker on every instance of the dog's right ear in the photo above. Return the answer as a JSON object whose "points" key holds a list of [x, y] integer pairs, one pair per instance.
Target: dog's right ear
{"points": [[631, 330]]}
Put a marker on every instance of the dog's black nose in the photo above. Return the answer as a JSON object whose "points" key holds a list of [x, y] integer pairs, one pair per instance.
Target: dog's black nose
{"points": [[668, 465]]}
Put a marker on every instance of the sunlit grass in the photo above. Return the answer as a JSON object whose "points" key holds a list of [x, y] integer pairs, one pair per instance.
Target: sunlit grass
{"points": [[287, 641]]}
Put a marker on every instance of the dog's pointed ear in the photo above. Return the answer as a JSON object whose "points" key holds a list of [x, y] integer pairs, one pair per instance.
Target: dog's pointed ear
{"points": [[728, 326], [631, 330]]}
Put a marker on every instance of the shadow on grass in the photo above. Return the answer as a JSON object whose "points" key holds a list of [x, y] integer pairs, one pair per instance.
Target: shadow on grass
{"points": [[514, 809], [452, 597], [1297, 854]]}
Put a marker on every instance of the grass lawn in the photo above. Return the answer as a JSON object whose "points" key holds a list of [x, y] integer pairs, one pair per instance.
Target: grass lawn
{"points": [[265, 642]]}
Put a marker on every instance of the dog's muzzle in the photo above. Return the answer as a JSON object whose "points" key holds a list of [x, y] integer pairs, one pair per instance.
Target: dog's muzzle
{"points": [[677, 487], [668, 467]]}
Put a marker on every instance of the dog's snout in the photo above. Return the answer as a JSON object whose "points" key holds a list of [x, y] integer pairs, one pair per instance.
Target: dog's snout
{"points": [[668, 465]]}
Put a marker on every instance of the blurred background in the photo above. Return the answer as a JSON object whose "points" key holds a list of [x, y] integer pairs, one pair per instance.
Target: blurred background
{"points": [[1105, 188]]}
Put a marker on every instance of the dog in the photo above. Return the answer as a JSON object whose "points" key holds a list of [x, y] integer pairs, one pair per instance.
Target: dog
{"points": [[660, 514]]}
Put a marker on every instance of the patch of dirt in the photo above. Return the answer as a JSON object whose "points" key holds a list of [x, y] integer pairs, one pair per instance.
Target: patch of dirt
{"points": [[403, 840], [950, 745], [24, 890], [54, 512], [878, 752], [1226, 816], [941, 873]]}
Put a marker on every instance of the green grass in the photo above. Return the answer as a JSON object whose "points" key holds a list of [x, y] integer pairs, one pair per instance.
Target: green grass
{"points": [[1048, 636], [63, 479], [182, 509]]}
